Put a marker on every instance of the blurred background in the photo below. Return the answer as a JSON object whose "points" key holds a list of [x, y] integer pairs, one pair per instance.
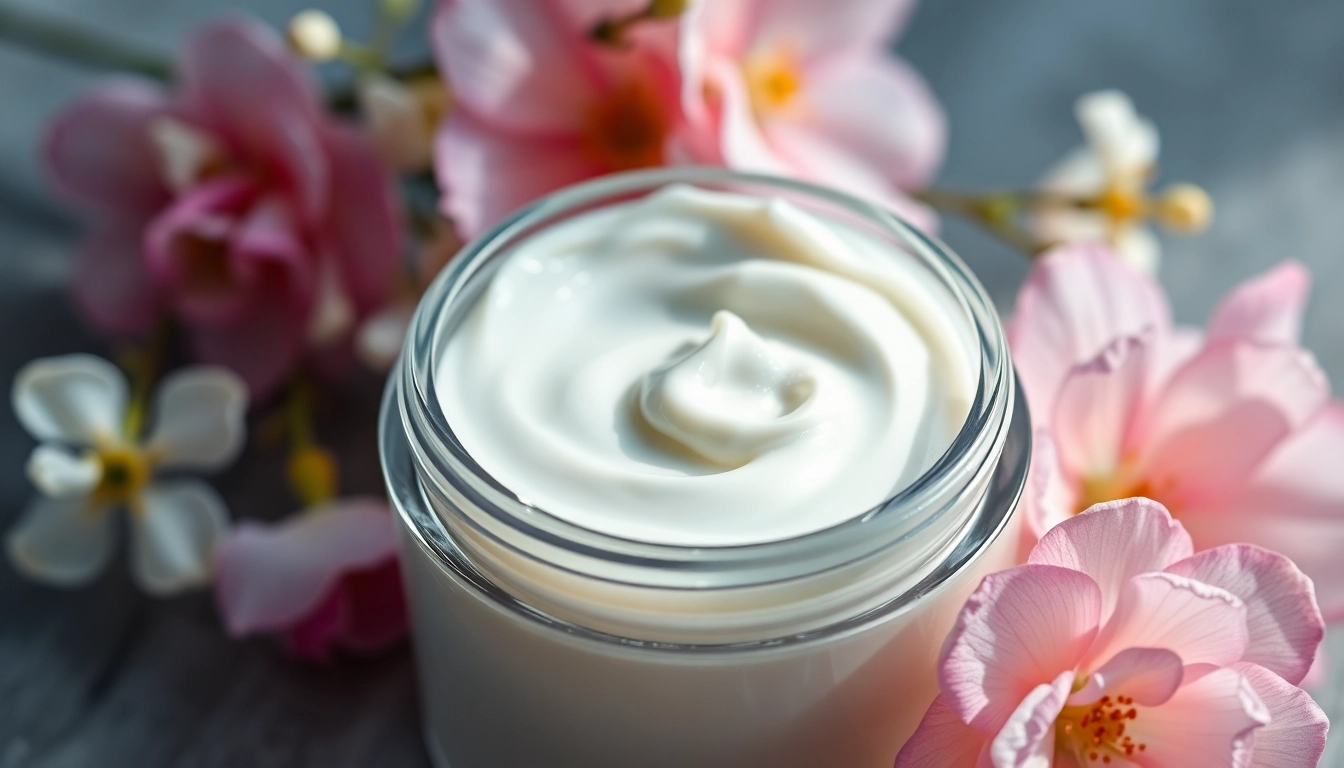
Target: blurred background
{"points": [[1249, 99]]}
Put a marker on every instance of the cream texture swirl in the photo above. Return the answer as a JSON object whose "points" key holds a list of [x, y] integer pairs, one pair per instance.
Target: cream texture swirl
{"points": [[703, 368]]}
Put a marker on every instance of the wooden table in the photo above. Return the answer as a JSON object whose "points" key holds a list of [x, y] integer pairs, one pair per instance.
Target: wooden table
{"points": [[1250, 100]]}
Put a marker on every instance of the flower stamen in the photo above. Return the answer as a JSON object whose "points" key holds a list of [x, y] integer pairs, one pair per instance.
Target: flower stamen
{"points": [[125, 471], [1096, 732]]}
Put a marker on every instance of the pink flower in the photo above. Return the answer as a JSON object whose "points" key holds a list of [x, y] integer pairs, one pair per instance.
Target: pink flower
{"points": [[808, 89], [325, 579], [1116, 646], [234, 203], [1232, 428], [539, 105]]}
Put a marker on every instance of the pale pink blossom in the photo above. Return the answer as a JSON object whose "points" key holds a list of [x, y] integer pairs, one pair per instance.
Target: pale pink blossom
{"points": [[232, 202], [1116, 645], [538, 104], [324, 580], [1231, 428], [807, 89]]}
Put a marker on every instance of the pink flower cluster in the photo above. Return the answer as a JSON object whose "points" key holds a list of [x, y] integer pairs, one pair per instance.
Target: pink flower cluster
{"points": [[788, 87], [234, 202], [1115, 645], [1231, 428]]}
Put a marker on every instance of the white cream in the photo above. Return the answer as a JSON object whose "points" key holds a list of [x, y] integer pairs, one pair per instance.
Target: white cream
{"points": [[706, 369]]}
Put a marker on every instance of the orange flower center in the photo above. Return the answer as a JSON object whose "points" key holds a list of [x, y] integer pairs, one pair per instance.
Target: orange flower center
{"points": [[773, 79], [626, 130], [1120, 485], [1096, 732]]}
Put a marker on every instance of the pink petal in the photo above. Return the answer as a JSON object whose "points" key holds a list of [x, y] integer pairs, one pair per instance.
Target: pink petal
{"points": [[99, 151], [1077, 300], [270, 577], [1223, 413], [1027, 740], [942, 740], [1210, 721], [1293, 505], [1113, 543], [1149, 676], [1319, 672], [1200, 623], [186, 249], [514, 64], [812, 157], [1048, 499], [1098, 403], [365, 613], [240, 81], [742, 144], [1297, 727], [1267, 308], [1284, 623], [1021, 628], [363, 228], [111, 281], [262, 345], [879, 111], [487, 175], [818, 31], [268, 245]]}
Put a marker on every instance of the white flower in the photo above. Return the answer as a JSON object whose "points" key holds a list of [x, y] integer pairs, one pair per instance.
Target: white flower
{"points": [[86, 466], [1114, 168]]}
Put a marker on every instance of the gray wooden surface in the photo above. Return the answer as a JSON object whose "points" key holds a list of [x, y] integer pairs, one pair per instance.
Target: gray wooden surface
{"points": [[1250, 99]]}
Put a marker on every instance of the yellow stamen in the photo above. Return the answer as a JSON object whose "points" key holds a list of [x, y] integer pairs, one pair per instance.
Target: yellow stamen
{"points": [[1185, 208], [773, 80], [312, 474], [1096, 732], [125, 473]]}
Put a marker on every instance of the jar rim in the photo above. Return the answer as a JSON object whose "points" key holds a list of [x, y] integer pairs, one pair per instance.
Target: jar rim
{"points": [[440, 456]]}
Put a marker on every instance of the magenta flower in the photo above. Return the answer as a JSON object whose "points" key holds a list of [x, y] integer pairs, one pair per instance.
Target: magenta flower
{"points": [[807, 89], [1232, 428], [1116, 646], [234, 203], [324, 580], [540, 105]]}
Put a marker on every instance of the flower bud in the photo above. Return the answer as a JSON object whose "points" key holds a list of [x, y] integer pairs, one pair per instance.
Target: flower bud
{"points": [[1184, 208], [315, 35]]}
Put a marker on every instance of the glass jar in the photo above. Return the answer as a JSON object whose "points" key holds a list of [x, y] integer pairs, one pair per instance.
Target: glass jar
{"points": [[542, 643]]}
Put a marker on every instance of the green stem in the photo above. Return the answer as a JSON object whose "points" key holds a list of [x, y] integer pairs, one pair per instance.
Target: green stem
{"points": [[55, 37], [998, 212]]}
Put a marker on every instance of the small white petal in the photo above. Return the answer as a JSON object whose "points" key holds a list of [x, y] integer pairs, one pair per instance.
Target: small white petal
{"points": [[60, 474], [380, 337], [61, 542], [1125, 142], [334, 314], [173, 536], [185, 153], [78, 399], [199, 418], [1139, 248]]}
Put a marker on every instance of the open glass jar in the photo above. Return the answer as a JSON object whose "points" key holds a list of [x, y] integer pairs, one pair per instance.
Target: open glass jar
{"points": [[540, 642]]}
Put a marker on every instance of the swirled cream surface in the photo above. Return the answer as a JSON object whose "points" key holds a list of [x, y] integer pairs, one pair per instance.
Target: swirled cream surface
{"points": [[707, 369]]}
